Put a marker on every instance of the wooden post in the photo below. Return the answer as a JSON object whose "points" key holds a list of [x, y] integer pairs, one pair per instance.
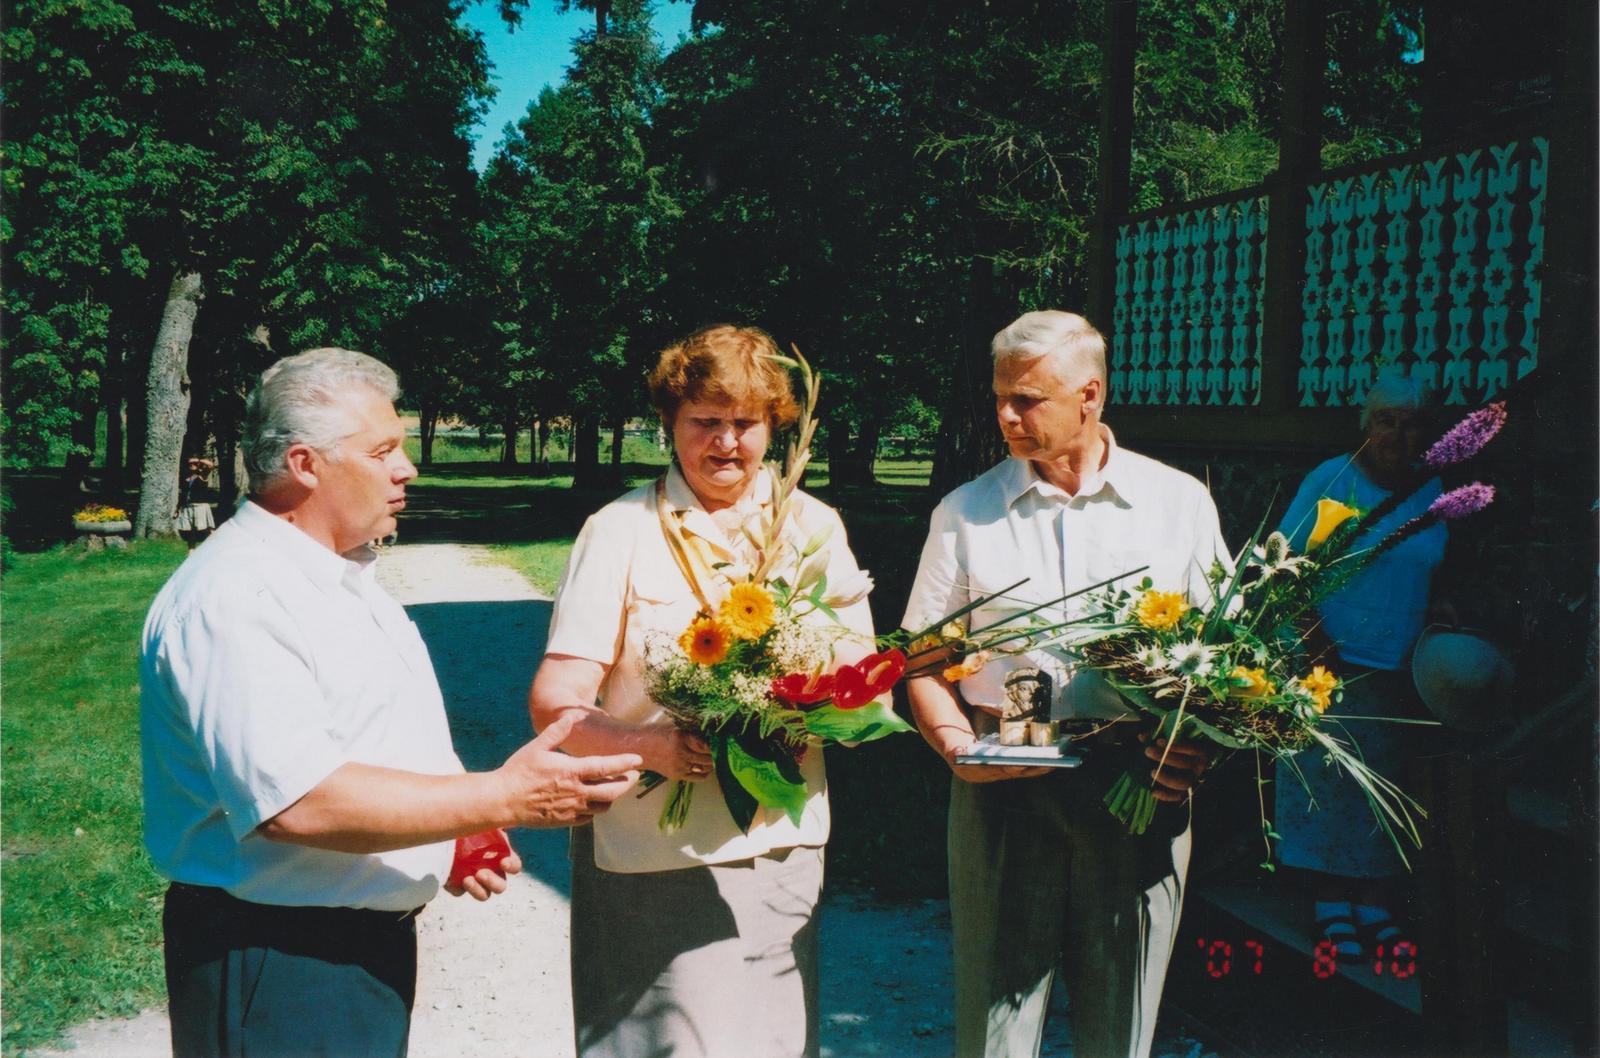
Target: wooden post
{"points": [[1118, 47], [1299, 159]]}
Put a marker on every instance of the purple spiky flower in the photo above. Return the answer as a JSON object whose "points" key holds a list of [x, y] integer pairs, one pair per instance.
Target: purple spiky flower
{"points": [[1467, 437], [1460, 502], [1457, 503]]}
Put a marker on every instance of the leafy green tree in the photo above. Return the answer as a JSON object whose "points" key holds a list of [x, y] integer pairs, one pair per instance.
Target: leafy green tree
{"points": [[304, 170], [574, 238]]}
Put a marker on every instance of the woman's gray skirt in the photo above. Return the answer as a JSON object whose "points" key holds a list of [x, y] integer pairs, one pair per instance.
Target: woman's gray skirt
{"points": [[706, 962]]}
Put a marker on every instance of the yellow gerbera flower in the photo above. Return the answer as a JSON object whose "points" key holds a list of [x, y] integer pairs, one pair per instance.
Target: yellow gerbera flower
{"points": [[747, 612], [1161, 610], [1330, 515], [1321, 684], [1256, 684], [705, 641]]}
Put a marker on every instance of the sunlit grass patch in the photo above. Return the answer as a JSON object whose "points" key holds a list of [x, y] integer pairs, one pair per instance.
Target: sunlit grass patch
{"points": [[82, 902]]}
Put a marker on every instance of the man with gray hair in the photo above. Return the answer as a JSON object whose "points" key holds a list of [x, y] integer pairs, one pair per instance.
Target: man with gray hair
{"points": [[1041, 875], [300, 789]]}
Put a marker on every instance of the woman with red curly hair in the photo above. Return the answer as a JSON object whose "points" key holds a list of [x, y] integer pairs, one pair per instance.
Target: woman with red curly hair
{"points": [[699, 941]]}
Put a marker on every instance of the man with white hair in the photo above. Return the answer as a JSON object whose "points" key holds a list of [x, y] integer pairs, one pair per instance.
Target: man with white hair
{"points": [[1041, 875], [300, 789]]}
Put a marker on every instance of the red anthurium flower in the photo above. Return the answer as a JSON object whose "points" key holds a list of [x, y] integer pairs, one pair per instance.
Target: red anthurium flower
{"points": [[883, 670], [803, 688], [856, 685]]}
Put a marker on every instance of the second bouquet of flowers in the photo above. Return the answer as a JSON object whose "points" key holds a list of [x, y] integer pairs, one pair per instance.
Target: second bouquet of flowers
{"points": [[1239, 671]]}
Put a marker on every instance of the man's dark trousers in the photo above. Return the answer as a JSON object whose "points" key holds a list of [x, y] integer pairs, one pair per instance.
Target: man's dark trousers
{"points": [[260, 980]]}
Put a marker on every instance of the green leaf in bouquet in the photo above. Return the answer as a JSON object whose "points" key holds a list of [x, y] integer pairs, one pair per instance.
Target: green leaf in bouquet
{"points": [[765, 781], [741, 805], [963, 611], [870, 722], [1221, 601], [1214, 733]]}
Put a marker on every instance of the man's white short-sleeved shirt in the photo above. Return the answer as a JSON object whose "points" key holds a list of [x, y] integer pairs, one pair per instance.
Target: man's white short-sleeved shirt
{"points": [[1009, 524], [621, 587], [267, 662]]}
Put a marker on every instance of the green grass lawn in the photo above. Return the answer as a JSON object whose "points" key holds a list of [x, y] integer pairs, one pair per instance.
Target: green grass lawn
{"points": [[82, 904]]}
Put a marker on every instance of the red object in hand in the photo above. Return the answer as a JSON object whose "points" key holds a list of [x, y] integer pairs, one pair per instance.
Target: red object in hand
{"points": [[477, 851], [856, 685], [803, 688]]}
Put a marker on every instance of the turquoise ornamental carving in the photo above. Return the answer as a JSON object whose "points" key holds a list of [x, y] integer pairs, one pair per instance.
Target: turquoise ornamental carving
{"points": [[1431, 269], [1187, 317]]}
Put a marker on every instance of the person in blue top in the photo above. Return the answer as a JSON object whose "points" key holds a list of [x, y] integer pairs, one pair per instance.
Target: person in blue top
{"points": [[1369, 627]]}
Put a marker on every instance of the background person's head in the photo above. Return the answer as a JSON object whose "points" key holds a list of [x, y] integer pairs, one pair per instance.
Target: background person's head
{"points": [[1049, 384], [722, 396], [324, 447], [1397, 420]]}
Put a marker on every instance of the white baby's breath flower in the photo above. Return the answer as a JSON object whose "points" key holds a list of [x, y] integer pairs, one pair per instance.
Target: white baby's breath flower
{"points": [[750, 690], [797, 647]]}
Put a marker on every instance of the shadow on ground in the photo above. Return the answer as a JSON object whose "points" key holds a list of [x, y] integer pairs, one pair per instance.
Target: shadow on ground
{"points": [[484, 654]]}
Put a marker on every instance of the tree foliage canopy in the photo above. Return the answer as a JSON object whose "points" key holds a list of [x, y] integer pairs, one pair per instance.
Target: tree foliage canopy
{"points": [[882, 187]]}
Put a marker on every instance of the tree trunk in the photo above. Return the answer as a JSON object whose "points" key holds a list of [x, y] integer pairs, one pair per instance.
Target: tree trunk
{"points": [[539, 440], [427, 425], [864, 453], [972, 439], [111, 386], [231, 473], [586, 452], [86, 414], [508, 441], [135, 371], [838, 449], [618, 432], [167, 404]]}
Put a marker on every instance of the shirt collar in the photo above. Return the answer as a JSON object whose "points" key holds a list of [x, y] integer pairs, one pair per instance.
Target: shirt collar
{"points": [[682, 497], [1116, 480], [322, 566]]}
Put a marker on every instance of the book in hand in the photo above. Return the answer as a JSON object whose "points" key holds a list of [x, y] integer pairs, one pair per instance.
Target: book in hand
{"points": [[988, 750]]}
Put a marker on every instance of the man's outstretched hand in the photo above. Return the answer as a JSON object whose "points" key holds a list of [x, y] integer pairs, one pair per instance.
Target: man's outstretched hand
{"points": [[551, 789]]}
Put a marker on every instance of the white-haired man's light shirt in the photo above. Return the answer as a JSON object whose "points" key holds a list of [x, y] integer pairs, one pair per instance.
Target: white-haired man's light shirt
{"points": [[1009, 524], [268, 661]]}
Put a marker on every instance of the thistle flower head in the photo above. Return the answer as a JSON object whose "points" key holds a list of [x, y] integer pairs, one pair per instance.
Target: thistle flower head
{"points": [[1193, 659], [1460, 502], [1275, 550], [1466, 438]]}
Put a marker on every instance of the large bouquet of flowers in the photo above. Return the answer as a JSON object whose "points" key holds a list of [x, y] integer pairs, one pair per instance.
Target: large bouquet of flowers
{"points": [[1237, 671]]}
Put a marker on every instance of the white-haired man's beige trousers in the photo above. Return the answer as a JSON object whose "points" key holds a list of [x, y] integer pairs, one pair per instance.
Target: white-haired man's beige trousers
{"points": [[1042, 877]]}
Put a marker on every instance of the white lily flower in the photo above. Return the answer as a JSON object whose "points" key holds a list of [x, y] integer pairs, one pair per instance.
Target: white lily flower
{"points": [[818, 538], [811, 570], [854, 588]]}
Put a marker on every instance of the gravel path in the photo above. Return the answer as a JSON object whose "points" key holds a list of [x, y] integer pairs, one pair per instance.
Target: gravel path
{"points": [[494, 978]]}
